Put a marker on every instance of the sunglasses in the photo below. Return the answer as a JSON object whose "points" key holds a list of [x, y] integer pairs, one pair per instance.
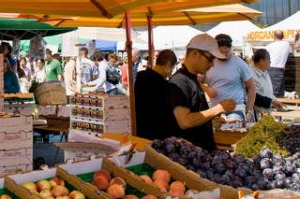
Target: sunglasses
{"points": [[210, 59]]}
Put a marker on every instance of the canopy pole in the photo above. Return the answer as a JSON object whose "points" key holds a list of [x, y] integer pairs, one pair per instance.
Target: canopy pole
{"points": [[130, 72], [150, 40]]}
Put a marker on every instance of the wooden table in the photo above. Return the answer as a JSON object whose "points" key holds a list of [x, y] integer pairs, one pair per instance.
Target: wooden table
{"points": [[226, 139]]}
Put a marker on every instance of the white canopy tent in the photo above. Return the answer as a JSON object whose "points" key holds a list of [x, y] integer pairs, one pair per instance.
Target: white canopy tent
{"points": [[171, 37], [237, 30], [290, 26]]}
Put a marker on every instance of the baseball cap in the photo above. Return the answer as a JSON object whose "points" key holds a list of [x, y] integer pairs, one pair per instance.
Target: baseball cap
{"points": [[207, 43]]}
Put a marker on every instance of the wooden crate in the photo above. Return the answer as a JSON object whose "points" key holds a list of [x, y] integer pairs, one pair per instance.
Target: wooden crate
{"points": [[226, 139]]}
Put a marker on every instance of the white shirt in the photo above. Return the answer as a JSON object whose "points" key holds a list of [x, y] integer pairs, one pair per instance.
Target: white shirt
{"points": [[40, 75], [279, 52]]}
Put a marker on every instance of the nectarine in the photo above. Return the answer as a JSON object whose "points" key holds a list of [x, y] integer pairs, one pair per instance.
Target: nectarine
{"points": [[30, 186], [101, 182], [177, 185], [149, 197], [130, 197], [5, 196], [162, 175], [76, 195], [162, 184], [116, 191], [59, 191], [147, 179], [103, 173], [43, 184], [118, 180], [56, 181], [45, 193]]}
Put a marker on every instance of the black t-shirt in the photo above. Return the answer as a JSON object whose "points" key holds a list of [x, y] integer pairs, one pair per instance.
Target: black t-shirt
{"points": [[184, 90], [150, 104]]}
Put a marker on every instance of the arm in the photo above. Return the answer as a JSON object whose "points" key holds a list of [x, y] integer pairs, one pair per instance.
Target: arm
{"points": [[251, 91], [186, 119]]}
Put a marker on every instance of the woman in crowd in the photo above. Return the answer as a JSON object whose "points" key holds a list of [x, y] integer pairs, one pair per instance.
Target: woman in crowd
{"points": [[23, 82], [265, 99], [11, 82], [40, 73]]}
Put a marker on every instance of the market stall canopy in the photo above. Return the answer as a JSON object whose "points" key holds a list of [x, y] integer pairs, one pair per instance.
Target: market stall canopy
{"points": [[104, 9], [11, 29], [290, 26], [177, 17], [237, 30]]}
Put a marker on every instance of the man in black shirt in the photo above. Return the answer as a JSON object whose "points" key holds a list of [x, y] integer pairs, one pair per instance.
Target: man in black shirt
{"points": [[150, 97], [190, 116]]}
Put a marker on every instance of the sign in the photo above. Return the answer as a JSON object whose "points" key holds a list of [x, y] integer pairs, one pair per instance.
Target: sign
{"points": [[268, 35]]}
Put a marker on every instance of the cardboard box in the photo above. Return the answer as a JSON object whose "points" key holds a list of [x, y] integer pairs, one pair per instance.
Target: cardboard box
{"points": [[191, 179], [25, 109], [13, 182], [13, 137], [13, 167], [24, 122], [16, 155]]}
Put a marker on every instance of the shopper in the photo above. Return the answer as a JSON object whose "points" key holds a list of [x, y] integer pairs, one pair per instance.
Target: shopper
{"points": [[150, 97], [231, 78], [53, 67], [88, 68], [190, 116], [279, 51], [11, 82], [265, 99]]}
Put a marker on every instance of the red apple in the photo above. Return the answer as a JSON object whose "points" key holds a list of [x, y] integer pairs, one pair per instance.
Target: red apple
{"points": [[103, 173], [45, 193], [76, 195], [43, 184], [4, 196], [56, 181], [59, 191], [30, 186]]}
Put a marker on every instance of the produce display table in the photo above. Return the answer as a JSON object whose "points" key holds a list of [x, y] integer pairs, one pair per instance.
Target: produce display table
{"points": [[226, 139]]}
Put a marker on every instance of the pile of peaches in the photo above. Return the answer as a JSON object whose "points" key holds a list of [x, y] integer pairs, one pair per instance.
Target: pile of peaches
{"points": [[52, 189], [114, 186]]}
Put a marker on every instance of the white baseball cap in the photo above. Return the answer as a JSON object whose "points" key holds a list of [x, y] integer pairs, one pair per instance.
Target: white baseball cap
{"points": [[206, 42]]}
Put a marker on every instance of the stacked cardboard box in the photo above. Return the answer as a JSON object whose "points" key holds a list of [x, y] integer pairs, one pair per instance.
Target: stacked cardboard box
{"points": [[1, 84], [16, 145], [98, 114]]}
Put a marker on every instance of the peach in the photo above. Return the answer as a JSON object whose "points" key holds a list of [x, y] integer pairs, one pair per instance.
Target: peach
{"points": [[102, 173], [49, 197], [45, 193], [176, 193], [76, 195], [101, 182], [30, 186], [163, 185], [147, 179], [59, 191], [162, 175], [43, 184], [116, 191], [177, 185], [62, 197], [118, 180], [5, 196], [130, 197], [149, 197], [56, 181]]}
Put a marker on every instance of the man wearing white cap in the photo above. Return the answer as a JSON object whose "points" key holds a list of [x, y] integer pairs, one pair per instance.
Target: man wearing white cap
{"points": [[190, 115]]}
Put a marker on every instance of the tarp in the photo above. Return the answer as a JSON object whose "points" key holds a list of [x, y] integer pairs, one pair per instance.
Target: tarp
{"points": [[26, 29], [290, 26], [237, 30]]}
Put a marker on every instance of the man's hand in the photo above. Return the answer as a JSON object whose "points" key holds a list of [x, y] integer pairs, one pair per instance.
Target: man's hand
{"points": [[228, 105]]}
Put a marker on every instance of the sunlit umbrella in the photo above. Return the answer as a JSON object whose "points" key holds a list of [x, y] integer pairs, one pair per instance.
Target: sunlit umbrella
{"points": [[101, 10]]}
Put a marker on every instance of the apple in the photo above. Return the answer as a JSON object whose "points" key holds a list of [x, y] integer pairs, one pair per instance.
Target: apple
{"points": [[45, 193], [101, 182], [30, 186], [56, 181], [59, 191], [62, 197], [4, 196], [43, 184], [76, 195]]}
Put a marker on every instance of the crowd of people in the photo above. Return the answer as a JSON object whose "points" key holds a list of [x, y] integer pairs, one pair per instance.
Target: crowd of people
{"points": [[177, 95], [210, 81]]}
